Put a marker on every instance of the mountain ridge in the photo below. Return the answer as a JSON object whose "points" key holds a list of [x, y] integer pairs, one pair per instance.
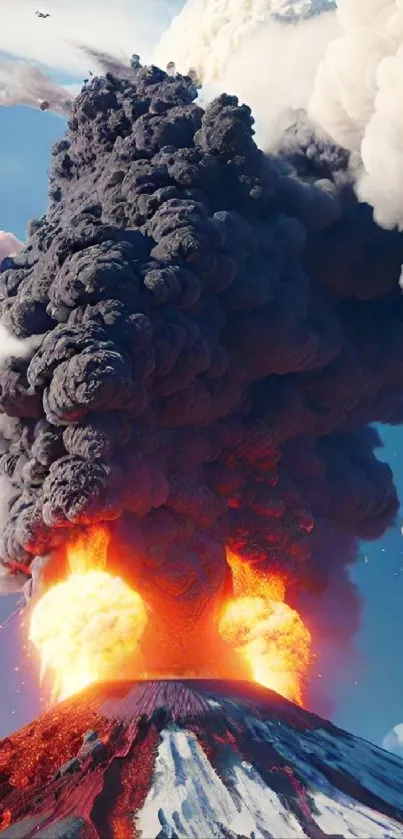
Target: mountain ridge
{"points": [[187, 758]]}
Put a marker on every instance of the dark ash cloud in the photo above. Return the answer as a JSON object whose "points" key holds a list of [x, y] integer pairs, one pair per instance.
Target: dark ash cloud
{"points": [[217, 331]]}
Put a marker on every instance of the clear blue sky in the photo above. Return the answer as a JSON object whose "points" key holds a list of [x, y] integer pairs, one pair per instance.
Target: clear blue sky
{"points": [[368, 701]]}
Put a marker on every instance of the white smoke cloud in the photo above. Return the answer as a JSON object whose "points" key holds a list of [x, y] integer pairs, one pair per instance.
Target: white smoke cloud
{"points": [[237, 46], [274, 72], [15, 347], [357, 95], [206, 34], [393, 741], [9, 244]]}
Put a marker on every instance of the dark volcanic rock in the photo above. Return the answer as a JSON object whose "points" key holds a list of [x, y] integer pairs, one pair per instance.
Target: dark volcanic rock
{"points": [[193, 759]]}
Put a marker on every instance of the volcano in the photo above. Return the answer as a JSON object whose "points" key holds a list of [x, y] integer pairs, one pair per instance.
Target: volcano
{"points": [[193, 758]]}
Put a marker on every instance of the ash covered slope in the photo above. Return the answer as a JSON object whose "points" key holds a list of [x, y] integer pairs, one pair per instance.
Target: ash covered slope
{"points": [[214, 336], [181, 759]]}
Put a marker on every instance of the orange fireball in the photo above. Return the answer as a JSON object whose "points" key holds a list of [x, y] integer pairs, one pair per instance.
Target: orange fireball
{"points": [[267, 632], [87, 626]]}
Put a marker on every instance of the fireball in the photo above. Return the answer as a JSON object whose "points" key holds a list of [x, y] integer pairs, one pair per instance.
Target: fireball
{"points": [[267, 632], [87, 626]]}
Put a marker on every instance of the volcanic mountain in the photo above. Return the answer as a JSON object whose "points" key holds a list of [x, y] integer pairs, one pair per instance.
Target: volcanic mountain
{"points": [[193, 758]]}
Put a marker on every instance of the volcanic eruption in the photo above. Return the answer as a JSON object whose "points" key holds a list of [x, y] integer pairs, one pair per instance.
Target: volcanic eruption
{"points": [[180, 759], [209, 333]]}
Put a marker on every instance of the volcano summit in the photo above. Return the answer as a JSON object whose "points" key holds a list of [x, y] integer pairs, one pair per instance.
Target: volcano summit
{"points": [[181, 759]]}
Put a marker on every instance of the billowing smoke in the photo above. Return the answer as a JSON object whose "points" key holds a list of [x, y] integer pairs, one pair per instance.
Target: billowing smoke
{"points": [[9, 244], [207, 34], [255, 51], [352, 88], [215, 332], [356, 99], [105, 62], [25, 84], [393, 740]]}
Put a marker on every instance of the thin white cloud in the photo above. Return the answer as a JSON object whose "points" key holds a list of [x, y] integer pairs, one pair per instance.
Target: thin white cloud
{"points": [[393, 741], [121, 27]]}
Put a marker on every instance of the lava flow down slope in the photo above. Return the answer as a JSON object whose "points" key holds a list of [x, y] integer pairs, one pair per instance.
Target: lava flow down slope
{"points": [[193, 758]]}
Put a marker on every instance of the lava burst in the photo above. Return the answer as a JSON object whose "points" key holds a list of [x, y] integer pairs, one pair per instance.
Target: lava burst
{"points": [[267, 632], [87, 626]]}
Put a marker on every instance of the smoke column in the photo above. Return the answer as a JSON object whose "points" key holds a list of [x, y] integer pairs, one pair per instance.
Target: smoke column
{"points": [[266, 53], [352, 95], [214, 331], [356, 99]]}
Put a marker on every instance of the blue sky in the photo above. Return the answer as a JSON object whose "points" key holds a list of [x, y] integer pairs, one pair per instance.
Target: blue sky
{"points": [[26, 136]]}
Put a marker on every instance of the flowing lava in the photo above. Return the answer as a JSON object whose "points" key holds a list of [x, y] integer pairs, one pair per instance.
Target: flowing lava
{"points": [[87, 626], [266, 631]]}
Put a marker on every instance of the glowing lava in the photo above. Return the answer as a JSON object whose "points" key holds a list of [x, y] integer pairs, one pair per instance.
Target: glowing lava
{"points": [[267, 632], [87, 626]]}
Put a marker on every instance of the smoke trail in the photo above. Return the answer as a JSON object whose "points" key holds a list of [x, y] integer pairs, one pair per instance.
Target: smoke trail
{"points": [[25, 84], [22, 83], [356, 99], [216, 329], [287, 58], [393, 740], [106, 62]]}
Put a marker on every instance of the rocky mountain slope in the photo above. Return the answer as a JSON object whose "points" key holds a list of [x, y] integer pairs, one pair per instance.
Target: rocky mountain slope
{"points": [[193, 759]]}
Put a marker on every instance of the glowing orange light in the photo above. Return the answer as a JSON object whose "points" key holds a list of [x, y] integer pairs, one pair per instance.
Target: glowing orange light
{"points": [[267, 632], [86, 626]]}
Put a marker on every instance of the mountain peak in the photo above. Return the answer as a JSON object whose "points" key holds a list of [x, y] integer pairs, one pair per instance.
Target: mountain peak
{"points": [[192, 758]]}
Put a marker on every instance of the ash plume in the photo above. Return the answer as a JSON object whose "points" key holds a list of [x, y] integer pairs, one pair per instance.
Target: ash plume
{"points": [[266, 52], [215, 331], [106, 62]]}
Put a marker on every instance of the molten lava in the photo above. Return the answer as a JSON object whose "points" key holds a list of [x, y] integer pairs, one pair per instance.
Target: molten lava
{"points": [[87, 626], [267, 632]]}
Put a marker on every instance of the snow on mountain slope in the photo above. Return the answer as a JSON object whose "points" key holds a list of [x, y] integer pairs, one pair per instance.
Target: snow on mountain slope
{"points": [[158, 760]]}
